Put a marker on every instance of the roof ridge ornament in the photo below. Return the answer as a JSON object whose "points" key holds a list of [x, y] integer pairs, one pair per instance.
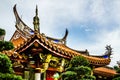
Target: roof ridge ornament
{"points": [[21, 26], [36, 21], [109, 51]]}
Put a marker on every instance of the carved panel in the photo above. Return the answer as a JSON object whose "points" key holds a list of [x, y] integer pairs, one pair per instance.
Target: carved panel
{"points": [[16, 36]]}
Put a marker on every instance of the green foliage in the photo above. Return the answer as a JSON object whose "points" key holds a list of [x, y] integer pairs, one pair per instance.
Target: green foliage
{"points": [[116, 68], [2, 32], [117, 76], [5, 64], [82, 70], [118, 71], [8, 76], [88, 77], [69, 75], [6, 71], [5, 45], [79, 61], [78, 69]]}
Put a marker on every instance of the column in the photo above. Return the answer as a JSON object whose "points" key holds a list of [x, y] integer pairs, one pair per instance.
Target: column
{"points": [[26, 75], [37, 74], [44, 75], [61, 67]]}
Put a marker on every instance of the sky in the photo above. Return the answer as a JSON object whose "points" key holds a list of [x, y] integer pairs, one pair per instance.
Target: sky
{"points": [[92, 24]]}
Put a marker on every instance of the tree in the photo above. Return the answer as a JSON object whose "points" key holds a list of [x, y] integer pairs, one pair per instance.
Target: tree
{"points": [[78, 70], [6, 45], [117, 76], [79, 61], [2, 32], [6, 71], [5, 64], [116, 68]]}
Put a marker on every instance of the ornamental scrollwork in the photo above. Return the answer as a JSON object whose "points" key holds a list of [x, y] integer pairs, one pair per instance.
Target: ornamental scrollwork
{"points": [[42, 57], [16, 36], [55, 62]]}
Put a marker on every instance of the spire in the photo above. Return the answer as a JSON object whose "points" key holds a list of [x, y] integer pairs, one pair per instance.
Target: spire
{"points": [[36, 10], [36, 21]]}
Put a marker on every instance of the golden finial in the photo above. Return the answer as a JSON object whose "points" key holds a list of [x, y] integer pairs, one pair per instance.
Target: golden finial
{"points": [[36, 21], [36, 10]]}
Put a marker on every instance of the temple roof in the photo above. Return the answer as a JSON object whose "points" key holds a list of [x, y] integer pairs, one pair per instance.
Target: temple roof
{"points": [[24, 37], [103, 71], [58, 49]]}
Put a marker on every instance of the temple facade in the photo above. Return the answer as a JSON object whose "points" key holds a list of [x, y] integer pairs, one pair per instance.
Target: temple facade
{"points": [[39, 57]]}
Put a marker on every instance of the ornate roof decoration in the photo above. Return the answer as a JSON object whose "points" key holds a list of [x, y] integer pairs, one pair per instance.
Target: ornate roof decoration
{"points": [[18, 38], [63, 40], [26, 39], [60, 50], [36, 22], [21, 26], [27, 31], [107, 54]]}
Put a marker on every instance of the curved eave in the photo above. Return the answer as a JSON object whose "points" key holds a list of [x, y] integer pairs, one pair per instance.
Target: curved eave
{"points": [[60, 50], [21, 26], [18, 19], [42, 42], [98, 61], [104, 72], [62, 39]]}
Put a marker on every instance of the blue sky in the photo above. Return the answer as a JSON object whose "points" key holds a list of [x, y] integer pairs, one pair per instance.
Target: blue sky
{"points": [[92, 24]]}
